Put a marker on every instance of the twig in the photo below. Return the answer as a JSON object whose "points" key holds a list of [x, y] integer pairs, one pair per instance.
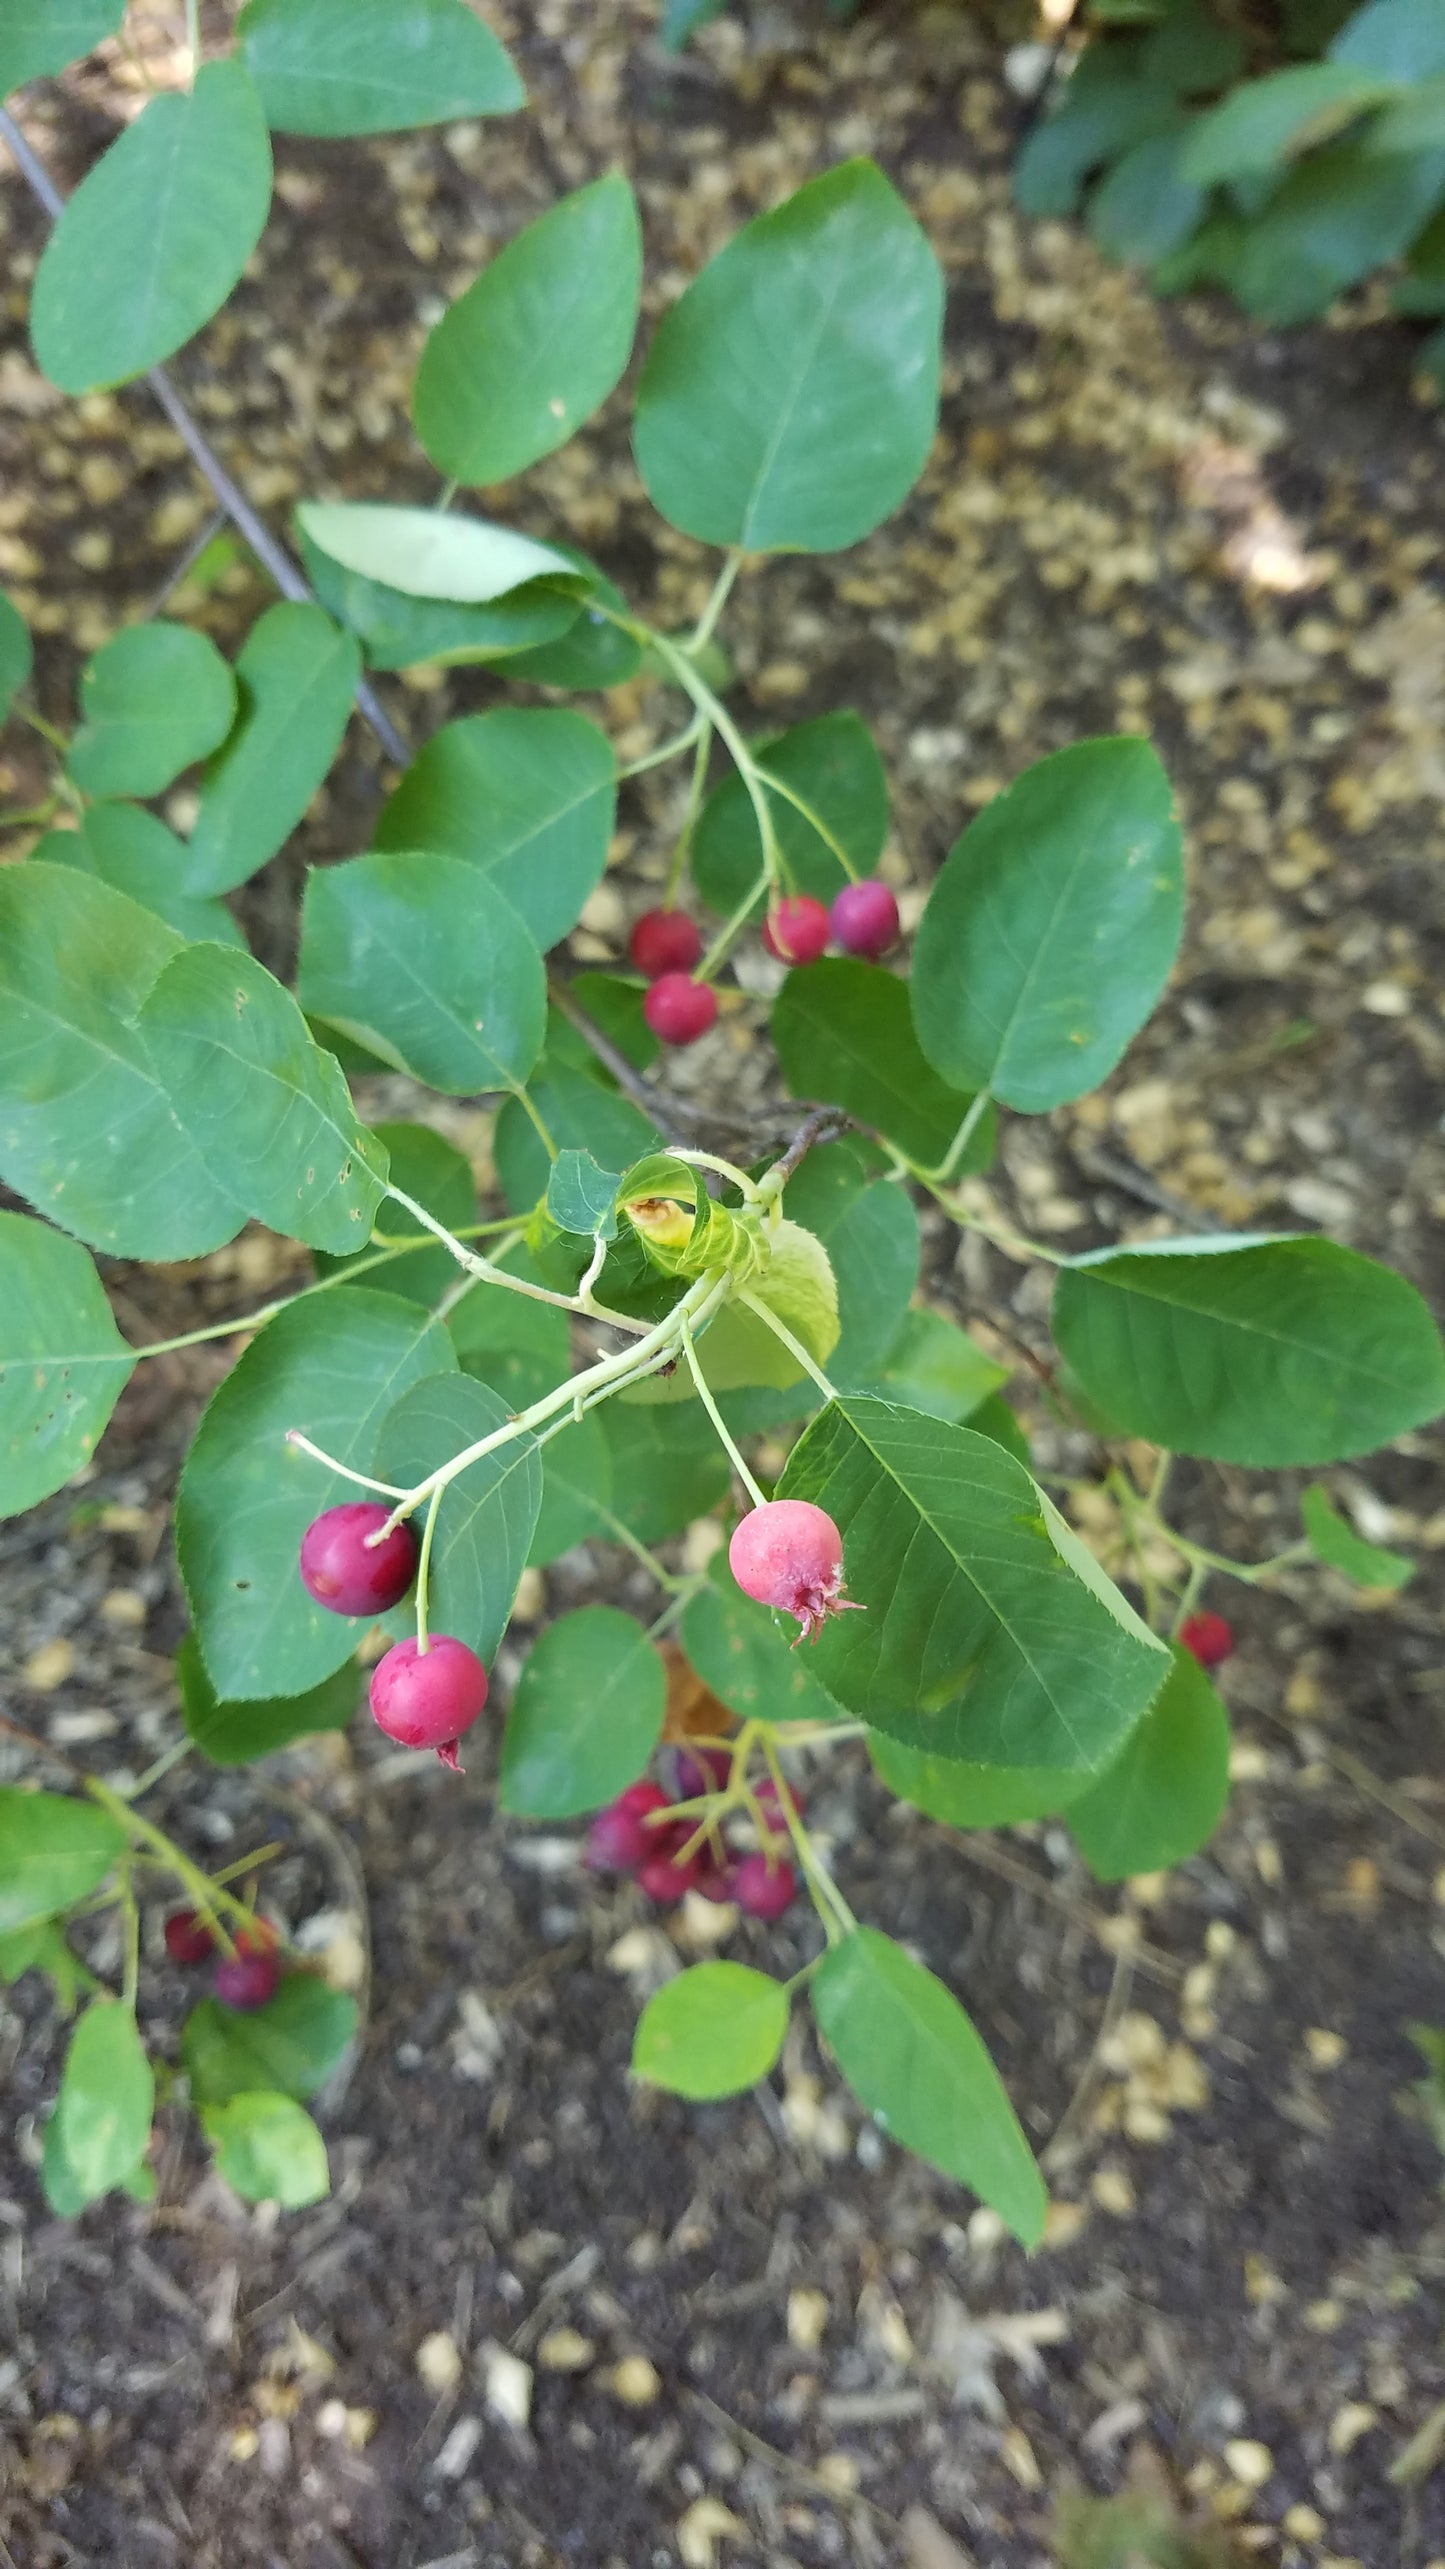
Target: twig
{"points": [[825, 1124], [272, 556], [198, 544]]}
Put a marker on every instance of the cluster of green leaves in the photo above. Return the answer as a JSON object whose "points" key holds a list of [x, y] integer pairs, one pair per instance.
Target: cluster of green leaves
{"points": [[159, 1088], [1287, 186]]}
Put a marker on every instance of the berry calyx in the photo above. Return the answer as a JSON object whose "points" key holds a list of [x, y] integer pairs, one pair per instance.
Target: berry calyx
{"points": [[346, 1572], [619, 1839], [789, 1554], [252, 1976], [427, 1698], [188, 1938], [797, 929], [763, 1889], [665, 941], [1207, 1637], [679, 1009], [865, 918]]}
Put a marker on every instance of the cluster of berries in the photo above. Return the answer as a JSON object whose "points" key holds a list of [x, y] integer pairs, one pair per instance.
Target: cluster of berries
{"points": [[247, 1978], [425, 1698], [633, 1837], [666, 945]]}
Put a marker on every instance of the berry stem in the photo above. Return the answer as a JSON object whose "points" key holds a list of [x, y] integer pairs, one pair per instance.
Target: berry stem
{"points": [[423, 1574], [727, 936], [762, 1311], [960, 1142], [130, 1913], [722, 589], [363, 1480], [711, 706], [690, 812], [670, 749], [715, 1414], [838, 1919], [207, 1895], [815, 821]]}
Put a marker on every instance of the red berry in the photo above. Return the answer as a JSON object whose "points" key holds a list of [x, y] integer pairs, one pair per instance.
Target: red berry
{"points": [[865, 917], [619, 1839], [679, 1009], [664, 1879], [1208, 1637], [762, 1889], [700, 1770], [770, 1802], [789, 1554], [796, 930], [716, 1881], [342, 1570], [427, 1698], [255, 1973], [188, 1938], [665, 941]]}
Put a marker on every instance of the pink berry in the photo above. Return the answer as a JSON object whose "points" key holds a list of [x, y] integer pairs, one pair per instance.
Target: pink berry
{"points": [[700, 1770], [342, 1570], [865, 918], [253, 1975], [789, 1554], [427, 1698], [665, 941], [796, 930], [715, 1881], [770, 1802], [679, 1009], [764, 1889], [1208, 1637], [664, 1879], [619, 1839], [188, 1938]]}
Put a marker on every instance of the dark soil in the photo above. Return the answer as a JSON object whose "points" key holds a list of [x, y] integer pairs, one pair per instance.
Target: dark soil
{"points": [[1135, 516]]}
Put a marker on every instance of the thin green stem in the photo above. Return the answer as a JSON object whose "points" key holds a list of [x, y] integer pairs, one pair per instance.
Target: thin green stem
{"points": [[534, 1118], [727, 936], [774, 784], [833, 1909], [36, 818], [722, 722], [130, 1913], [57, 738], [960, 1142], [747, 1186], [207, 1894], [346, 1274], [486, 1273], [722, 589], [445, 497], [695, 793], [715, 1414], [363, 1480], [670, 749], [1003, 1235], [795, 1347], [170, 1757], [423, 1574]]}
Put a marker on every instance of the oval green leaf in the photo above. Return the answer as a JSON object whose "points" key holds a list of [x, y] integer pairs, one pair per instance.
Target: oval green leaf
{"points": [[1163, 1799], [711, 2032], [1266, 122], [235, 1734], [152, 242], [832, 765], [290, 2045], [586, 1716], [269, 2149], [373, 66], [1051, 929], [40, 37], [844, 1033], [1262, 1351], [136, 854], [576, 1486], [935, 1366], [439, 1177], [668, 1468], [432, 553], [790, 397], [53, 1851], [973, 1797], [63, 1362], [538, 342], [295, 676], [1333, 1540], [485, 1521], [529, 797], [102, 2119], [155, 699], [910, 2055], [398, 632]]}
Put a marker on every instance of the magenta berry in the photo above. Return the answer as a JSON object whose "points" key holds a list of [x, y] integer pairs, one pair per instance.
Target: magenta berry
{"points": [[1208, 1638], [253, 1974], [789, 1554], [700, 1770], [342, 1569], [715, 1881], [188, 1938], [796, 930], [619, 1839], [427, 1698], [679, 1009], [665, 941], [763, 1889], [664, 1879], [865, 918]]}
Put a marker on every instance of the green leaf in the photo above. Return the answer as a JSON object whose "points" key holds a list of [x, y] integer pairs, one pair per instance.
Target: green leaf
{"points": [[593, 652], [1052, 927], [87, 1131], [53, 1851], [373, 66], [586, 1716], [1339, 216], [844, 1033], [268, 1109], [519, 1347], [739, 1651], [332, 1366], [432, 553], [576, 1485], [973, 1797], [790, 397], [1396, 40], [433, 1171], [538, 342], [151, 243], [1105, 108], [935, 1366], [714, 2030], [980, 1636], [1416, 124], [667, 1467], [40, 37], [833, 766], [581, 1197], [579, 1114], [290, 2045], [1269, 121], [155, 699], [1251, 1350], [235, 1734], [16, 656], [425, 962], [1145, 207], [1191, 50], [529, 797], [1163, 1798], [740, 1349], [269, 2149], [102, 2117], [908, 2051], [398, 632], [1333, 1540], [136, 854], [295, 676], [615, 1004], [63, 1362], [993, 1417], [43, 1948], [485, 1521], [870, 1231]]}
